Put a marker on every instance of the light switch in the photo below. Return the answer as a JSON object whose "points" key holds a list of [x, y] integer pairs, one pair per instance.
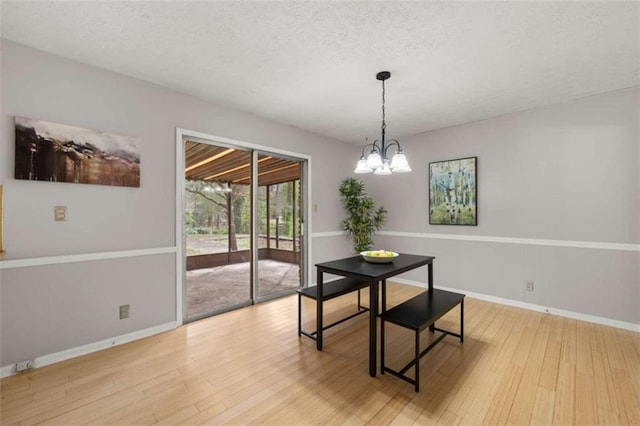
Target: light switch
{"points": [[60, 213], [315, 208]]}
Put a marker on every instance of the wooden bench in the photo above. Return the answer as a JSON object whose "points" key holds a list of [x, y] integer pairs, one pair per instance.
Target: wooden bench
{"points": [[416, 314], [331, 290]]}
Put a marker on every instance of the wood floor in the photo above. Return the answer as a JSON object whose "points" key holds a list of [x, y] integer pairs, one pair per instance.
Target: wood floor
{"points": [[250, 366]]}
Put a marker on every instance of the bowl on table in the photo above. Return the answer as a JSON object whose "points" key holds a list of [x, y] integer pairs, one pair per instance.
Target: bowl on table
{"points": [[379, 256]]}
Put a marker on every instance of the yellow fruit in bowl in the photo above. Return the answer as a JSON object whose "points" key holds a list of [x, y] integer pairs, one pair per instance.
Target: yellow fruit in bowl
{"points": [[379, 253]]}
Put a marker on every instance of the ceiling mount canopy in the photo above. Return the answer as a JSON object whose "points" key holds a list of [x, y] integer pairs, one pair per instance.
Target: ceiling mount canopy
{"points": [[377, 161]]}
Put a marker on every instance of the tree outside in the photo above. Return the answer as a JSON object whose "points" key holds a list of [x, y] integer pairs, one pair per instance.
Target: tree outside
{"points": [[218, 216]]}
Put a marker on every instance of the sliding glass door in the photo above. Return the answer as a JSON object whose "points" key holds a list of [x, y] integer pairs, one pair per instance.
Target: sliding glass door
{"points": [[217, 228], [279, 267], [243, 227]]}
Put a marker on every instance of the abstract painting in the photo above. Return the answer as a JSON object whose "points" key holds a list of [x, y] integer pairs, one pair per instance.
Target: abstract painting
{"points": [[54, 152], [453, 192]]}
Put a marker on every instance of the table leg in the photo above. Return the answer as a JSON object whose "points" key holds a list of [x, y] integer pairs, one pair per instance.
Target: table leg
{"points": [[383, 294], [319, 297], [373, 327], [432, 327]]}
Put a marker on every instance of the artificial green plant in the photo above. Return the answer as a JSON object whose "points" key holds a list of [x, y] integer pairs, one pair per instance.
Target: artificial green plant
{"points": [[364, 218]]}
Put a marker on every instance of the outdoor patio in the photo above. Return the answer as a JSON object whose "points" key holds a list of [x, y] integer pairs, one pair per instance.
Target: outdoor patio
{"points": [[212, 289]]}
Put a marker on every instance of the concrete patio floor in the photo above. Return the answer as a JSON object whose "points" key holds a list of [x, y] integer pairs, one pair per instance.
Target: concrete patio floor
{"points": [[212, 289]]}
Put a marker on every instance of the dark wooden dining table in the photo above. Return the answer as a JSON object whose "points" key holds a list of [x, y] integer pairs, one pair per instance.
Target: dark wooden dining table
{"points": [[373, 273]]}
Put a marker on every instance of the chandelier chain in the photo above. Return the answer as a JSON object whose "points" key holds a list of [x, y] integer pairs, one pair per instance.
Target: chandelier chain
{"points": [[384, 125]]}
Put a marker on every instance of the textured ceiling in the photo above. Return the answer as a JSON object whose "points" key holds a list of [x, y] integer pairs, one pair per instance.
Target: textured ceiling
{"points": [[313, 64]]}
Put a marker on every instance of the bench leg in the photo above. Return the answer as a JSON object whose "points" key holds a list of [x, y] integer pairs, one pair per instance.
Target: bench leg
{"points": [[299, 314], [319, 326], [462, 321], [417, 355], [381, 346]]}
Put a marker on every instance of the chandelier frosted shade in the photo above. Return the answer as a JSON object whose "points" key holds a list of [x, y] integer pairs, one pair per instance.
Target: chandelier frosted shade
{"points": [[378, 160], [384, 170], [362, 166], [374, 161], [399, 163]]}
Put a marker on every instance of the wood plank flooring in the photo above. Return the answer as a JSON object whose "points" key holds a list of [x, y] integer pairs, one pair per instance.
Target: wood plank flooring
{"points": [[250, 366]]}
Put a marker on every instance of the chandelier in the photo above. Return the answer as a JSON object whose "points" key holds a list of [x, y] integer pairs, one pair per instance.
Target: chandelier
{"points": [[377, 161]]}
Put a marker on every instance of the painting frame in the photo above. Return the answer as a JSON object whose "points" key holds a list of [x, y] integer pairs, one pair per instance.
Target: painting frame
{"points": [[55, 152], [453, 192]]}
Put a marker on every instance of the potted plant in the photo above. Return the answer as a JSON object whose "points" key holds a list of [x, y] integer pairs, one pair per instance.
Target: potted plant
{"points": [[364, 218]]}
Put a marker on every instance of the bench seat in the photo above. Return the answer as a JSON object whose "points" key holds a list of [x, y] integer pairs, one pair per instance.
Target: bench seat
{"points": [[418, 313], [331, 290]]}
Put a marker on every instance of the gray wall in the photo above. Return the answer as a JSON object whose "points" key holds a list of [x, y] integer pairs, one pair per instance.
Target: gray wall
{"points": [[51, 308], [46, 309], [567, 172]]}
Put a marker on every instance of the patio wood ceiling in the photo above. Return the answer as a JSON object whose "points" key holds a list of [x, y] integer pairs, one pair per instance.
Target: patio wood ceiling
{"points": [[226, 165]]}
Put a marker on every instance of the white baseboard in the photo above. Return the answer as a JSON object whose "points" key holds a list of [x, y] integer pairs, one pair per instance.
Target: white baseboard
{"points": [[41, 361], [531, 307]]}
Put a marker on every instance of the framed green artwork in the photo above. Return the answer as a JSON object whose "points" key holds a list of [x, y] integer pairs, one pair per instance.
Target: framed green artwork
{"points": [[453, 192]]}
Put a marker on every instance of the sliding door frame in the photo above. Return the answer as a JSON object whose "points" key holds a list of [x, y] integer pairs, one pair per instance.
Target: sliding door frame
{"points": [[305, 181], [254, 221]]}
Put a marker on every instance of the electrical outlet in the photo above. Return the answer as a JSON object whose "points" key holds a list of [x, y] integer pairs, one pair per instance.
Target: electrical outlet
{"points": [[124, 311], [528, 285], [25, 365]]}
